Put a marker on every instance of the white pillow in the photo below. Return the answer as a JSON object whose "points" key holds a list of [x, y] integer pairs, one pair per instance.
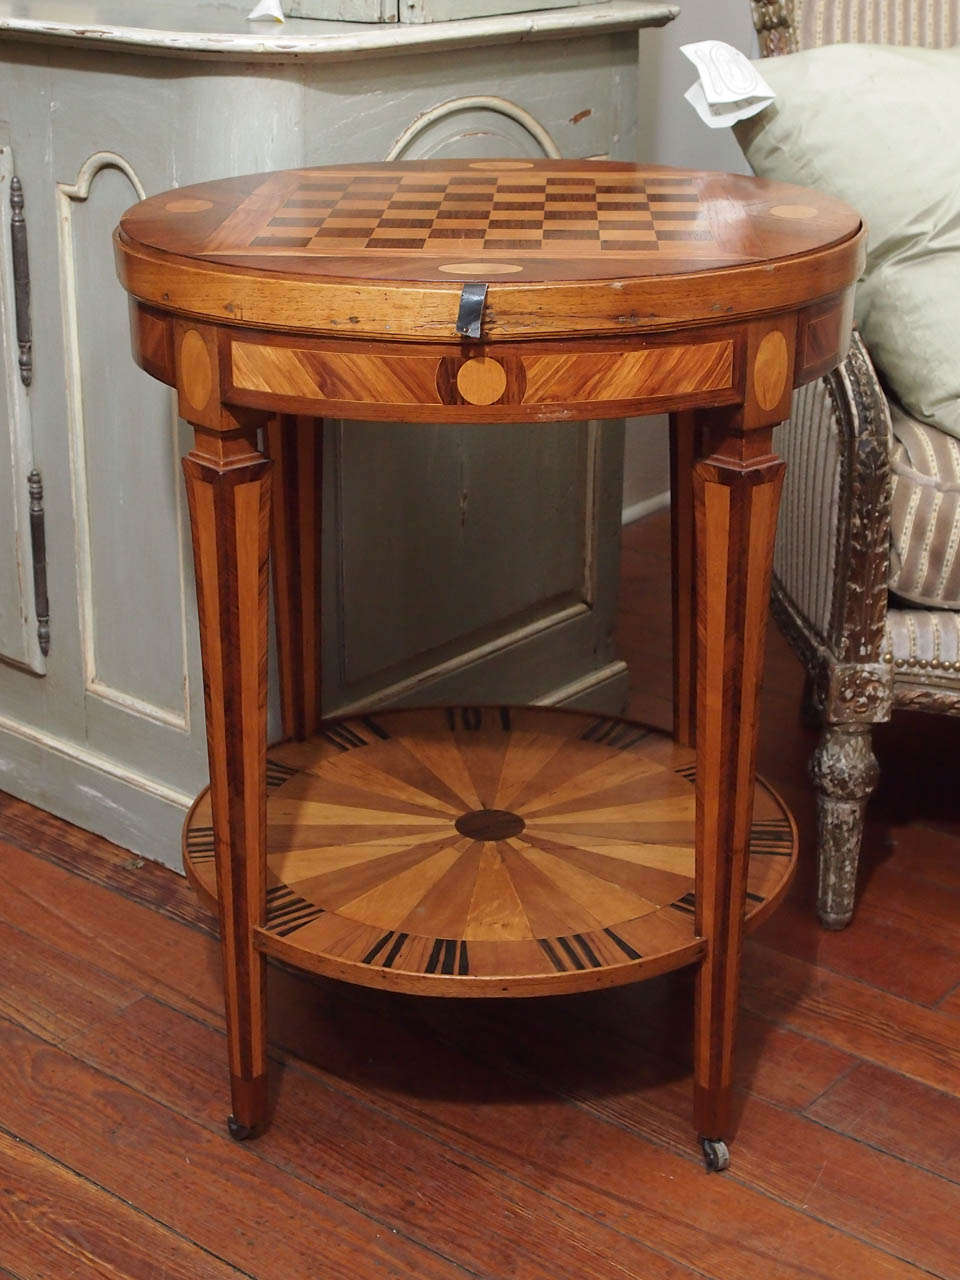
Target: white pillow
{"points": [[879, 126]]}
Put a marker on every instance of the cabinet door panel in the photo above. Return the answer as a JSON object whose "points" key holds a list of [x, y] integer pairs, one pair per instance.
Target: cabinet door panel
{"points": [[125, 469], [18, 620], [478, 530]]}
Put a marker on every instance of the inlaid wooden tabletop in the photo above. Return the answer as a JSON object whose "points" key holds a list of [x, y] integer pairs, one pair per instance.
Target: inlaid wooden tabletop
{"points": [[516, 850], [420, 229]]}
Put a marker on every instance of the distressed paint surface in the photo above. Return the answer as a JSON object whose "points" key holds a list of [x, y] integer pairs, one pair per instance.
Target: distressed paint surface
{"points": [[192, 30]]}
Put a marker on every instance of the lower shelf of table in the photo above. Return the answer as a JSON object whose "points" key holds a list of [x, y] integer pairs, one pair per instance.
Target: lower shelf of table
{"points": [[487, 851]]}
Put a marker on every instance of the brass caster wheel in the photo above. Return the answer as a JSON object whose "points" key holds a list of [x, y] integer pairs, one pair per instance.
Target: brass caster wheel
{"points": [[715, 1154], [239, 1132]]}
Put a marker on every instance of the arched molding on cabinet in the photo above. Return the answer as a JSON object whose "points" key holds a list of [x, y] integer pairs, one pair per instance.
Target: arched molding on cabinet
{"points": [[477, 102], [69, 195]]}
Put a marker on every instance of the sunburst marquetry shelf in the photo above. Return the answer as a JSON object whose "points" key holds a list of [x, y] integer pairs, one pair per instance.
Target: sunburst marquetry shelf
{"points": [[487, 851]]}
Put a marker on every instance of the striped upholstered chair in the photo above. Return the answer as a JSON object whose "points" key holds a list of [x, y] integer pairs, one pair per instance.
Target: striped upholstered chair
{"points": [[868, 549]]}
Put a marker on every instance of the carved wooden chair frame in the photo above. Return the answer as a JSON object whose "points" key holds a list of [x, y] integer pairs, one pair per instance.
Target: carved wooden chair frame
{"points": [[853, 678]]}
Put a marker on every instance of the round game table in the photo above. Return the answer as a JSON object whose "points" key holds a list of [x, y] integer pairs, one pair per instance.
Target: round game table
{"points": [[485, 851]]}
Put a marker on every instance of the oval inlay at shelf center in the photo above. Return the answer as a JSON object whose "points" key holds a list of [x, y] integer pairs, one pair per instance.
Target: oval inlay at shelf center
{"points": [[490, 824]]}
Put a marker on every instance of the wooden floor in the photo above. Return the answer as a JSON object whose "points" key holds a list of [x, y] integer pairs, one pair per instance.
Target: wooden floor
{"points": [[547, 1138]]}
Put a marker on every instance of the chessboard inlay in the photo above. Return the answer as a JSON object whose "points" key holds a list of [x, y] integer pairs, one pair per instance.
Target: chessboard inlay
{"points": [[509, 849], [497, 213]]}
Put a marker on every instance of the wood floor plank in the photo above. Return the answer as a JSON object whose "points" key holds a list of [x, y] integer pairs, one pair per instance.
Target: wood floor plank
{"points": [[893, 1206], [716, 1226], [330, 1135], [95, 859], [885, 950], [919, 1042], [921, 851], [654, 1020], [895, 1114], [920, 905], [55, 1224], [610, 1160], [873, 1195], [783, 1067], [52, 992], [182, 967], [132, 943], [200, 1184]]}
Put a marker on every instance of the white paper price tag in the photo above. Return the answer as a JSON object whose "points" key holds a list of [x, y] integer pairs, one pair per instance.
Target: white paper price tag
{"points": [[729, 89], [266, 9]]}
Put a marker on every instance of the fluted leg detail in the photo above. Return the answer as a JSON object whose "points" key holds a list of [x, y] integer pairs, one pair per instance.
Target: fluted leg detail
{"points": [[844, 771]]}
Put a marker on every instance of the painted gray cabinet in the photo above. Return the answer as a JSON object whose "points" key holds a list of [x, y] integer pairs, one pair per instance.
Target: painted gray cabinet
{"points": [[474, 564]]}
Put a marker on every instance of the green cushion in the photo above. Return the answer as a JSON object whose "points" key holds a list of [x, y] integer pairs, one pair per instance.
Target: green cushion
{"points": [[879, 127]]}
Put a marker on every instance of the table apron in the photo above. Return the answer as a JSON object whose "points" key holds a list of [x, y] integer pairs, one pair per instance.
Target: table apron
{"points": [[476, 382], [482, 383]]}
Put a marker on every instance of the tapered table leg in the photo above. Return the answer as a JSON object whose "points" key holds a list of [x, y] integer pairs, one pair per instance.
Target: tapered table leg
{"points": [[295, 444], [736, 496], [228, 489], [684, 450]]}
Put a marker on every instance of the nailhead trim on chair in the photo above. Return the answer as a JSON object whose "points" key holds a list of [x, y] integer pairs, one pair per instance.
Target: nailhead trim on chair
{"points": [[923, 664]]}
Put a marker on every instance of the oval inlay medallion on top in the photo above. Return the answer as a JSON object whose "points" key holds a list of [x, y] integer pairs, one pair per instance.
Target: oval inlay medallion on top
{"points": [[480, 268], [770, 369], [188, 206], [799, 212], [496, 166], [196, 375], [481, 380]]}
